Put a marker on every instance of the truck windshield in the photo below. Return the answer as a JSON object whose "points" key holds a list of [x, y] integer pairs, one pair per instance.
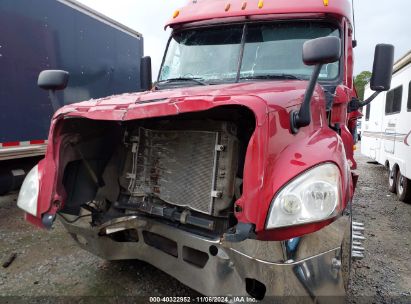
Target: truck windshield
{"points": [[268, 51]]}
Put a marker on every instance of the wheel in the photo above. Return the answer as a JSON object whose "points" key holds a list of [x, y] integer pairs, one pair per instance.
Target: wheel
{"points": [[392, 180], [403, 188]]}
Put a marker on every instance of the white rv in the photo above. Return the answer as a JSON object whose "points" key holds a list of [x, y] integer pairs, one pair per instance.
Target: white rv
{"points": [[386, 129]]}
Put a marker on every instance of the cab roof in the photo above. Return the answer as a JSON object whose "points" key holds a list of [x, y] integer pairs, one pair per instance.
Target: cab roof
{"points": [[202, 10]]}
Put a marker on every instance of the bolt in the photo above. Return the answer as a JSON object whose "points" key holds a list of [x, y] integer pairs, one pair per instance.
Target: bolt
{"points": [[335, 264]]}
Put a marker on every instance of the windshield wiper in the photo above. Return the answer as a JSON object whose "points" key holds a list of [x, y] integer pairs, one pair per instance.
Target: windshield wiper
{"points": [[272, 76], [182, 79]]}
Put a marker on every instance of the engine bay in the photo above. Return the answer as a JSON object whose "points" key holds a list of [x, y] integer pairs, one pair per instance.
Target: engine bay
{"points": [[186, 170]]}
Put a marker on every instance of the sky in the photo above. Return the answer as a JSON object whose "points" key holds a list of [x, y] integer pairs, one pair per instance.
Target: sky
{"points": [[377, 21]]}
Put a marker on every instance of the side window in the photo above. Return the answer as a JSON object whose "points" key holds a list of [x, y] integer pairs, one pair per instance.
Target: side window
{"points": [[367, 112], [409, 97], [393, 101]]}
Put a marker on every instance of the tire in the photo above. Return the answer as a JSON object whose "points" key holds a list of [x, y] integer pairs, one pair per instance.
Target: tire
{"points": [[403, 188], [392, 180]]}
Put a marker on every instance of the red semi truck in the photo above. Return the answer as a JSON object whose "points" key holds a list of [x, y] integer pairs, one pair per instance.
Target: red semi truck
{"points": [[234, 173]]}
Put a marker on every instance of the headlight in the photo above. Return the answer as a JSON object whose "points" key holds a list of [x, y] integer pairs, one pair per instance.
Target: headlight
{"points": [[311, 197], [29, 192]]}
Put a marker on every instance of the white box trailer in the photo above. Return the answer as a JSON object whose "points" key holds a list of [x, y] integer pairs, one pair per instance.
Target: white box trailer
{"points": [[386, 129]]}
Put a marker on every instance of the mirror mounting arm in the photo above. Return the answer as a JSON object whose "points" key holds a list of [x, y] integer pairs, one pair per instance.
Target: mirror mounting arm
{"points": [[316, 52], [302, 118], [146, 73], [355, 104], [54, 100]]}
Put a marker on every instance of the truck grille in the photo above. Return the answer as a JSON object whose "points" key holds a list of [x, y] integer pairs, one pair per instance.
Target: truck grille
{"points": [[181, 167]]}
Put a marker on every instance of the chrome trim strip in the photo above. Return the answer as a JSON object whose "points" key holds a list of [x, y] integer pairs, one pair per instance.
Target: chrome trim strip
{"points": [[288, 263], [22, 151]]}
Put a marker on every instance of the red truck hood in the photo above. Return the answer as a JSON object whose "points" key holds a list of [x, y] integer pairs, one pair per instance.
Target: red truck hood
{"points": [[266, 95]]}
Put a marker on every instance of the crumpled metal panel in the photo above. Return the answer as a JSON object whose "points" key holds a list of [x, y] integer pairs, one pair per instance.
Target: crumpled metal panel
{"points": [[178, 167]]}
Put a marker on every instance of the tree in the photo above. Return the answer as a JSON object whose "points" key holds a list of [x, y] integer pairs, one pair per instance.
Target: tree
{"points": [[360, 81]]}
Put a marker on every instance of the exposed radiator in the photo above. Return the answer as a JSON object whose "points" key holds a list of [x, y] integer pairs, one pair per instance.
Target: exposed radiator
{"points": [[188, 168]]}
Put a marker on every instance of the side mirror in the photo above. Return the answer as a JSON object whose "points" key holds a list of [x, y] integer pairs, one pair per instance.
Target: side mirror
{"points": [[146, 74], [381, 75], [382, 69], [53, 80], [322, 50], [316, 52]]}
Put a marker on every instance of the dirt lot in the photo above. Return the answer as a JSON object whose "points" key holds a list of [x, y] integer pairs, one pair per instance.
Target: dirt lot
{"points": [[384, 275], [50, 264]]}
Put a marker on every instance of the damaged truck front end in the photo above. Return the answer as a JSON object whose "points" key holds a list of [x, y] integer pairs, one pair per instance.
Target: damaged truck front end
{"points": [[186, 191], [186, 170], [234, 173]]}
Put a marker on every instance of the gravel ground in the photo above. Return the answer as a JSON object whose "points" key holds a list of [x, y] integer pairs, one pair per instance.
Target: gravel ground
{"points": [[384, 275], [50, 264]]}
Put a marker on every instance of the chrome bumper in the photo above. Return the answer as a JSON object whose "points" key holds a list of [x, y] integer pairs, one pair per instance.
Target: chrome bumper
{"points": [[312, 265]]}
